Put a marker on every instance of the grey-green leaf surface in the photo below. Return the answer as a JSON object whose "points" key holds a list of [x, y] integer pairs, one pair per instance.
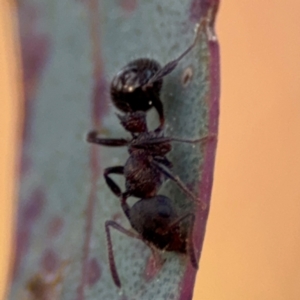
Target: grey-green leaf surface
{"points": [[71, 50]]}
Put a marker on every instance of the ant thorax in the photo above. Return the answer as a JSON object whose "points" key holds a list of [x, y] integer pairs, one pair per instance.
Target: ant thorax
{"points": [[150, 143]]}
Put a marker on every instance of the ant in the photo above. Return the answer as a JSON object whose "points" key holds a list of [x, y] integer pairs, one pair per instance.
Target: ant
{"points": [[134, 90], [137, 86], [153, 217]]}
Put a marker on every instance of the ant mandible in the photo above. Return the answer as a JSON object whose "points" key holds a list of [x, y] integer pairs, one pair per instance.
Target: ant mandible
{"points": [[137, 86]]}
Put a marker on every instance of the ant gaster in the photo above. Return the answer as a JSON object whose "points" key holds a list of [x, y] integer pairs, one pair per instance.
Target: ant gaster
{"points": [[154, 216], [158, 225], [137, 86]]}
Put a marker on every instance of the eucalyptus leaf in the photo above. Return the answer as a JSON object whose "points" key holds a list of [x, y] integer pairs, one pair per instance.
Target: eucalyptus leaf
{"points": [[71, 50]]}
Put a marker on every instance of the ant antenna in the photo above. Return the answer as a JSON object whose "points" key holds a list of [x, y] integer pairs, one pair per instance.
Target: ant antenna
{"points": [[169, 67]]}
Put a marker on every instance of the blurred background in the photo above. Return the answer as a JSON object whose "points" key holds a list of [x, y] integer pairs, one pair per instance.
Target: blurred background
{"points": [[252, 246]]}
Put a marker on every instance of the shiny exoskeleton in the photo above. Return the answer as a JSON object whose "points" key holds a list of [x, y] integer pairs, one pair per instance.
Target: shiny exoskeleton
{"points": [[129, 90], [157, 224]]}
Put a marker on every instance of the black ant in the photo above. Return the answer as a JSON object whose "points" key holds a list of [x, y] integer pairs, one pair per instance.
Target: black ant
{"points": [[153, 216], [134, 90], [137, 86]]}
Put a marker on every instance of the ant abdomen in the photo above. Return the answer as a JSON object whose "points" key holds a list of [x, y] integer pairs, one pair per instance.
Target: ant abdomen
{"points": [[155, 219], [157, 223], [128, 89]]}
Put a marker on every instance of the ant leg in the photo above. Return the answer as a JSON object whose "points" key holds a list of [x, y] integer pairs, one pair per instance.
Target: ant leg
{"points": [[124, 205], [42, 284], [112, 264], [162, 140], [176, 179], [155, 262], [164, 161], [170, 66], [156, 255], [112, 185], [195, 141], [190, 243], [93, 138]]}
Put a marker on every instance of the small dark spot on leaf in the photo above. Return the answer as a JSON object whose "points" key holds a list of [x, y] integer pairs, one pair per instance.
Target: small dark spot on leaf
{"points": [[55, 226], [187, 76], [129, 6], [22, 245], [50, 261], [159, 9], [46, 286], [28, 215], [198, 9], [35, 46], [37, 287], [35, 51], [195, 10], [34, 206], [94, 272]]}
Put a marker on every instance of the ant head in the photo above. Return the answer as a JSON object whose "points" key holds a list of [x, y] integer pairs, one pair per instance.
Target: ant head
{"points": [[127, 92], [134, 122]]}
